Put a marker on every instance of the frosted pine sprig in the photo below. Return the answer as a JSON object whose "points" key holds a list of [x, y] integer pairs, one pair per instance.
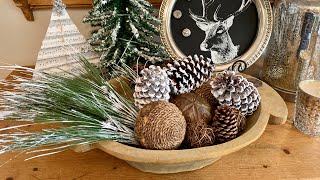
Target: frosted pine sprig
{"points": [[86, 109]]}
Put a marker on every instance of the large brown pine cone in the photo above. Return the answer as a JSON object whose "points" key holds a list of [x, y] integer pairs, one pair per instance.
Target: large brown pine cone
{"points": [[227, 123]]}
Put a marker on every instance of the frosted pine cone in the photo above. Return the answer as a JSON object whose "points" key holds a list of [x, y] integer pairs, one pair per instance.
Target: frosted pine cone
{"points": [[189, 73], [153, 85], [236, 91], [227, 123]]}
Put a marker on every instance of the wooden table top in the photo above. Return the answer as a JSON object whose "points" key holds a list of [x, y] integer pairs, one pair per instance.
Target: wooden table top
{"points": [[282, 152]]}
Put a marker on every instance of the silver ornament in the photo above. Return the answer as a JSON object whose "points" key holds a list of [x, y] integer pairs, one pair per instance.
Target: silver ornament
{"points": [[58, 6], [177, 14], [186, 32]]}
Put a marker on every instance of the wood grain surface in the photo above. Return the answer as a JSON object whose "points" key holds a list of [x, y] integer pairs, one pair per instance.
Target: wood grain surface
{"points": [[27, 6], [282, 152]]}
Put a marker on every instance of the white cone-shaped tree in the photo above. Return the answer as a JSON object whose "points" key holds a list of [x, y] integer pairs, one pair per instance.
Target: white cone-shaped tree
{"points": [[62, 45]]}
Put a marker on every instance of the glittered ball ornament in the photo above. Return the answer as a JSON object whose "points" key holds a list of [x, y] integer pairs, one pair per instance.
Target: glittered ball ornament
{"points": [[193, 107], [160, 126]]}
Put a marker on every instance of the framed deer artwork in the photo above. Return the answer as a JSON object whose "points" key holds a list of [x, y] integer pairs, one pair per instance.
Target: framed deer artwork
{"points": [[233, 33]]}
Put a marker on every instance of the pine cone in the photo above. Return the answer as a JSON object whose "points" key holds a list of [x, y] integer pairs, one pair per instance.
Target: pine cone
{"points": [[235, 90], [227, 123], [153, 85], [189, 73]]}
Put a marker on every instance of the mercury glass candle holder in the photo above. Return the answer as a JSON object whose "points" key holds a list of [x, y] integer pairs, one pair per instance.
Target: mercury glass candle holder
{"points": [[307, 110]]}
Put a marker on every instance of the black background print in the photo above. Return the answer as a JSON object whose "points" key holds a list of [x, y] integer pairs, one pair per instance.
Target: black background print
{"points": [[243, 31]]}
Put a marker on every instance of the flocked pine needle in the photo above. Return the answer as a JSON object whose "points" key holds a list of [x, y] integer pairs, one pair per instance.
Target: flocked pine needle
{"points": [[82, 109]]}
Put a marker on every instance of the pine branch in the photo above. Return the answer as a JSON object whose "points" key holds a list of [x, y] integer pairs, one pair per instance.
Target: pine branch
{"points": [[86, 110]]}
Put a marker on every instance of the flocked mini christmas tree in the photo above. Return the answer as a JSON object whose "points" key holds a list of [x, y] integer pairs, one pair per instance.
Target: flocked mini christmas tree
{"points": [[125, 30]]}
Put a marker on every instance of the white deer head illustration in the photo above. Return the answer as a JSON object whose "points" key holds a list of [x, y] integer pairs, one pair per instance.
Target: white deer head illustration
{"points": [[218, 40]]}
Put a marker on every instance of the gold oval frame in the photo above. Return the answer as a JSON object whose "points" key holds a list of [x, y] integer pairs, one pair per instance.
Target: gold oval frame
{"points": [[249, 57]]}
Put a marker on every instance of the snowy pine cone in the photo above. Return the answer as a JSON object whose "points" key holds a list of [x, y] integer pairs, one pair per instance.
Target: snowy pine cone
{"points": [[235, 90], [153, 85], [189, 73]]}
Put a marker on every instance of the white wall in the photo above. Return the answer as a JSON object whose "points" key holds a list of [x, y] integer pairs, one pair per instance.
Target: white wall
{"points": [[20, 40]]}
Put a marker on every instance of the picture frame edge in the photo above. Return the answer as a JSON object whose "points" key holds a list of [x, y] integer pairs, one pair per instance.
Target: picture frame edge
{"points": [[258, 46]]}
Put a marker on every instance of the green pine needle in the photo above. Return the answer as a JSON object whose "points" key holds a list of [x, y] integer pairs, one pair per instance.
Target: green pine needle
{"points": [[86, 110]]}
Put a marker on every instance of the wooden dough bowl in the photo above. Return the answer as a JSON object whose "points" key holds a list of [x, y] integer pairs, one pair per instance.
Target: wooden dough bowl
{"points": [[272, 109]]}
